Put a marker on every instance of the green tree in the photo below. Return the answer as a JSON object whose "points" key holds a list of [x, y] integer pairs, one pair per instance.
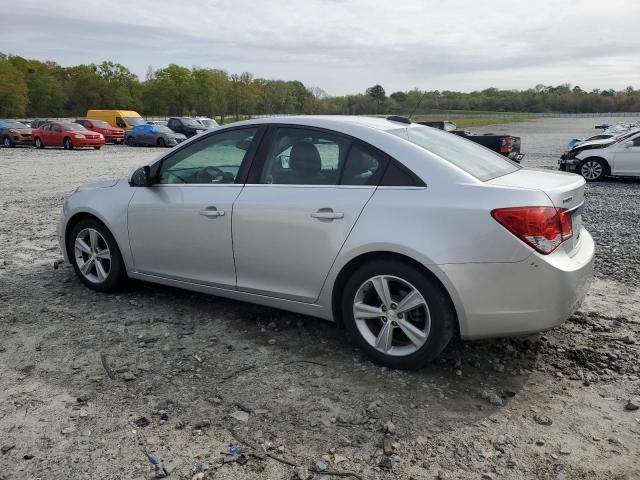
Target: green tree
{"points": [[14, 92]]}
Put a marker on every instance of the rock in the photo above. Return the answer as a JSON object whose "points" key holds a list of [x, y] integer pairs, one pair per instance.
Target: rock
{"points": [[142, 422], [162, 405], [389, 427], [540, 442], [240, 415], [320, 465], [338, 459], [631, 406], [492, 397], [486, 476], [543, 420], [629, 340], [386, 463], [68, 430], [128, 376], [272, 341], [302, 473], [387, 448], [28, 456], [200, 424], [564, 451], [7, 448], [614, 441], [442, 475]]}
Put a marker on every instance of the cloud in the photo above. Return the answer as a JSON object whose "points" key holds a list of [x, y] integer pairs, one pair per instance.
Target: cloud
{"points": [[345, 46]]}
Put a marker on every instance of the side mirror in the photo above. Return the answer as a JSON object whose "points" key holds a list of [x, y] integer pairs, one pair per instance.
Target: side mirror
{"points": [[140, 177]]}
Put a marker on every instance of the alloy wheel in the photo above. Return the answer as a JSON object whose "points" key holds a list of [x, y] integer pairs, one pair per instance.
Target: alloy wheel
{"points": [[7, 142], [392, 315], [591, 170], [92, 255]]}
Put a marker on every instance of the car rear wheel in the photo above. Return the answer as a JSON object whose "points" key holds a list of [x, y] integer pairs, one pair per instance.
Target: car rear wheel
{"points": [[593, 169], [161, 142], [95, 256], [7, 142], [397, 315], [38, 143], [131, 141], [68, 144]]}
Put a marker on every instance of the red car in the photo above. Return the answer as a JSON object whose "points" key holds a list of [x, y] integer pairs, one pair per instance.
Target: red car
{"points": [[111, 134], [66, 134]]}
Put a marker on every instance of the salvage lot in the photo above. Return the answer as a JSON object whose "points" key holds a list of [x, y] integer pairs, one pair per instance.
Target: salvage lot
{"points": [[200, 369]]}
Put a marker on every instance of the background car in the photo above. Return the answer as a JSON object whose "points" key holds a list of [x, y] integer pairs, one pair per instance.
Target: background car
{"points": [[66, 134], [14, 133], [403, 234], [110, 134], [157, 122], [207, 122], [39, 122], [185, 125], [619, 156], [153, 135], [124, 119]]}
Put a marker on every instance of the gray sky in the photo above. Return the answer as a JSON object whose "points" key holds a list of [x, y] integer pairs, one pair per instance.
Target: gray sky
{"points": [[345, 46]]}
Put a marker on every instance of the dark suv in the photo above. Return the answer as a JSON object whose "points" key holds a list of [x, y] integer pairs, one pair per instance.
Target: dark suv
{"points": [[185, 125]]}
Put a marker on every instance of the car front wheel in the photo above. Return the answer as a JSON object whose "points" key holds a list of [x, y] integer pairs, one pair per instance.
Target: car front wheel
{"points": [[593, 169], [7, 142], [398, 315], [95, 256], [68, 144]]}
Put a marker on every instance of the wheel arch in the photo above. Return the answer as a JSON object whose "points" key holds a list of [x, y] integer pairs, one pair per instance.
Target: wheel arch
{"points": [[607, 165], [353, 264]]}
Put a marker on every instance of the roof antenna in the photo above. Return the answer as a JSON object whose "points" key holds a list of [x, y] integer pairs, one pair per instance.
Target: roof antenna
{"points": [[417, 105]]}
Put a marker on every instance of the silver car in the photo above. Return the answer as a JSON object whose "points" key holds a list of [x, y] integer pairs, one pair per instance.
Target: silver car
{"points": [[403, 234]]}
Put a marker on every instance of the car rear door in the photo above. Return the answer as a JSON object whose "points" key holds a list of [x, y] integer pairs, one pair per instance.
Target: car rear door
{"points": [[180, 228], [297, 210]]}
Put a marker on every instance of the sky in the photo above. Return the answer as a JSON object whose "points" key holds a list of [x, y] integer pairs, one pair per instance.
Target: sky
{"points": [[345, 46]]}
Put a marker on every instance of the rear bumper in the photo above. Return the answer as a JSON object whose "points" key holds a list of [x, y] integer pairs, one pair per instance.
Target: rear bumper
{"points": [[506, 299]]}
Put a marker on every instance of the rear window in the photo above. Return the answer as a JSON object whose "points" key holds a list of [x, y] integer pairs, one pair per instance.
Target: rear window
{"points": [[474, 159]]}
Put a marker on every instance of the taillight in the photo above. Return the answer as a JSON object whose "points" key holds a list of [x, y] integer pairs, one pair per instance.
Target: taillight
{"points": [[543, 228], [506, 144]]}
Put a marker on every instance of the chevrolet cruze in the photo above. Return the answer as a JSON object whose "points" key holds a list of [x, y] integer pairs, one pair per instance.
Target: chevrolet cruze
{"points": [[403, 234]]}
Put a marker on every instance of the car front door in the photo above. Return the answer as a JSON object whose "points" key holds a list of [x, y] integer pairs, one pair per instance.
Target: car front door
{"points": [[626, 158], [297, 209], [56, 136], [180, 227]]}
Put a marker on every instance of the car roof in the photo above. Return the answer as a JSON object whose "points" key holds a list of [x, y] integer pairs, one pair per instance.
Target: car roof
{"points": [[334, 122]]}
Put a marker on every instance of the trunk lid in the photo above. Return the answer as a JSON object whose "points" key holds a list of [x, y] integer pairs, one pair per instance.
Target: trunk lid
{"points": [[565, 190]]}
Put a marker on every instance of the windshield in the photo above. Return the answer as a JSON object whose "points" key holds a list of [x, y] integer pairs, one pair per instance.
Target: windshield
{"points": [[207, 122], [478, 161], [11, 124], [100, 123], [190, 122], [72, 126], [134, 121], [162, 129], [627, 135]]}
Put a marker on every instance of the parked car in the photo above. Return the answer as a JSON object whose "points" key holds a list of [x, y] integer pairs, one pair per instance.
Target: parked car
{"points": [[507, 145], [14, 133], [207, 122], [157, 122], [38, 122], [403, 234], [110, 134], [124, 119], [619, 156], [153, 135], [185, 125], [66, 134]]}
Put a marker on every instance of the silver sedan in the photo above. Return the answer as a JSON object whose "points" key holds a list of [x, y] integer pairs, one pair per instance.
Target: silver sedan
{"points": [[403, 234]]}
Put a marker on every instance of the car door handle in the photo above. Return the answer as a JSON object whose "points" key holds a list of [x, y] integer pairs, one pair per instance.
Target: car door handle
{"points": [[212, 212], [327, 214]]}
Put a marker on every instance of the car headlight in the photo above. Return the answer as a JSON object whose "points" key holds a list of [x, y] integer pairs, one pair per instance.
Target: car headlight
{"points": [[100, 135], [79, 135]]}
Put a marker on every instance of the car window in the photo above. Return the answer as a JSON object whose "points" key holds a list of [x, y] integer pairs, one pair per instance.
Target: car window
{"points": [[56, 128], [364, 166], [120, 122], [299, 156], [215, 159]]}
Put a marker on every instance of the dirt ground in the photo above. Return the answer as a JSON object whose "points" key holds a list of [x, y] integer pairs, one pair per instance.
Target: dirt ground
{"points": [[97, 386]]}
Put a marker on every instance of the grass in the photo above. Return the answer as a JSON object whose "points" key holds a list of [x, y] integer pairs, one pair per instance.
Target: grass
{"points": [[464, 122]]}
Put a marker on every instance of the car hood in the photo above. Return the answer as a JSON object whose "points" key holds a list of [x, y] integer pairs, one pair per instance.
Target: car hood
{"points": [[21, 130], [95, 185]]}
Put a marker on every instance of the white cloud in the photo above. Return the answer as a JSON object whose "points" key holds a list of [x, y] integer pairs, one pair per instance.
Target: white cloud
{"points": [[346, 45]]}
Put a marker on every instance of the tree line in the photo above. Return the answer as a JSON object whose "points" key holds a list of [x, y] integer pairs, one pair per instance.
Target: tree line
{"points": [[31, 88]]}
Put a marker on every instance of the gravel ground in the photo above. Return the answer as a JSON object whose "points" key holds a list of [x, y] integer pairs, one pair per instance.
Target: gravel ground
{"points": [[94, 385]]}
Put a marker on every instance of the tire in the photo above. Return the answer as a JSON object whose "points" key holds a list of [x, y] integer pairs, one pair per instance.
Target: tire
{"points": [[38, 143], [67, 143], [7, 142], [113, 266], [434, 319], [97, 148], [131, 142], [161, 142], [593, 169]]}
